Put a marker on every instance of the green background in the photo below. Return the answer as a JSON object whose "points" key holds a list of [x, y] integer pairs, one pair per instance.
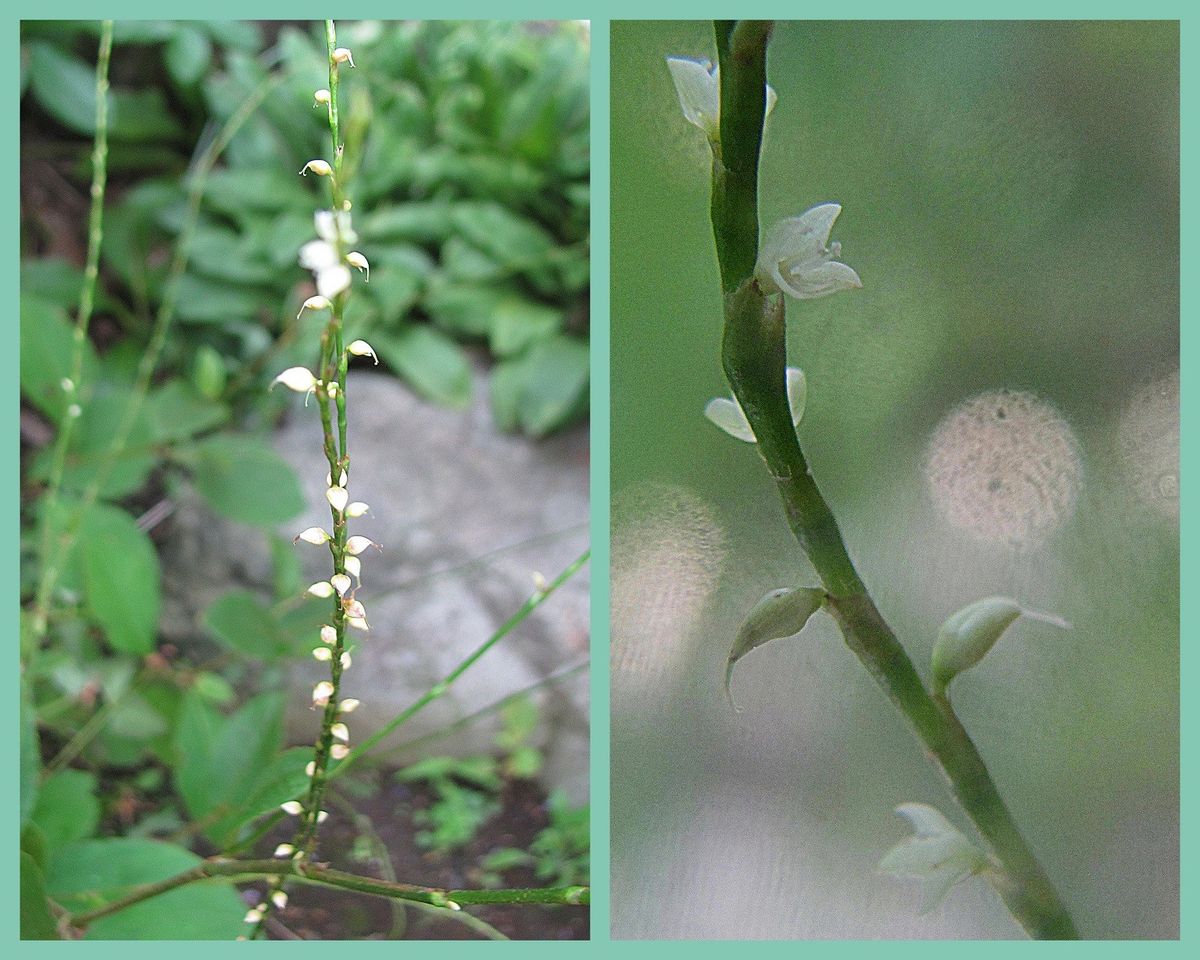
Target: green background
{"points": [[1010, 200]]}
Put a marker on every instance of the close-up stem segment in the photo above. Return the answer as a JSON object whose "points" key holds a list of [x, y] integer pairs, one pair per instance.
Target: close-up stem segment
{"points": [[754, 357]]}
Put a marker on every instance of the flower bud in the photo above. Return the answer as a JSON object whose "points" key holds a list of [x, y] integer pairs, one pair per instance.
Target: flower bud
{"points": [[323, 654], [321, 589], [781, 613], [279, 898], [357, 260], [349, 705], [253, 915], [339, 751], [321, 693], [328, 635], [341, 732], [310, 768], [726, 412], [358, 623], [937, 854], [292, 808], [284, 850], [314, 535], [321, 96], [967, 636], [345, 660], [337, 497], [314, 303], [342, 55], [355, 609], [319, 167], [300, 379], [331, 389], [360, 348], [356, 545], [322, 816], [341, 583], [354, 568], [356, 509]]}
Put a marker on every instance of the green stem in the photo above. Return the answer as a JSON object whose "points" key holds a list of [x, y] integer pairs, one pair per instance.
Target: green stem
{"points": [[241, 870], [754, 355]]}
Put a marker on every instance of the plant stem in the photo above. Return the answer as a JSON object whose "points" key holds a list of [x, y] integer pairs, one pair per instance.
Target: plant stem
{"points": [[242, 870], [754, 358]]}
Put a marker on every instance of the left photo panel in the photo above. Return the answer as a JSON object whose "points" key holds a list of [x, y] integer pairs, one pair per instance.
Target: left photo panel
{"points": [[304, 514]]}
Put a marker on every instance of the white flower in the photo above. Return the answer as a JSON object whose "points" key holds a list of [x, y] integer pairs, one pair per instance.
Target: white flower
{"points": [[337, 497], [310, 768], [357, 260], [360, 348], [356, 509], [293, 808], [937, 853], [314, 535], [355, 609], [358, 623], [321, 96], [253, 915], [322, 654], [284, 850], [349, 705], [322, 816], [328, 635], [321, 693], [354, 568], [341, 583], [356, 545], [341, 732], [280, 899], [342, 55], [698, 83], [727, 413], [345, 660], [314, 303], [339, 751], [319, 167], [321, 589], [300, 379], [797, 258], [331, 274], [334, 227]]}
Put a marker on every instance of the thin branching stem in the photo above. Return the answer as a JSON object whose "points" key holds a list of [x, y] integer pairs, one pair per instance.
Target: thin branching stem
{"points": [[754, 358]]}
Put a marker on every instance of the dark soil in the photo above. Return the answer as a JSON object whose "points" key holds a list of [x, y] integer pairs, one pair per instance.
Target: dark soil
{"points": [[322, 913]]}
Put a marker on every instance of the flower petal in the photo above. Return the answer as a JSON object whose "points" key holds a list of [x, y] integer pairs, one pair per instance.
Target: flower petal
{"points": [[318, 255], [333, 280], [797, 392], [820, 280], [697, 84], [727, 414]]}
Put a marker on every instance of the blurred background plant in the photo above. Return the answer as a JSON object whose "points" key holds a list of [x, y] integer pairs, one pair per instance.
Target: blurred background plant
{"points": [[469, 148]]}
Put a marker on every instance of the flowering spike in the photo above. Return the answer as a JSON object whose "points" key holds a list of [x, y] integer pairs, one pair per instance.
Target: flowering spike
{"points": [[358, 623], [726, 412], [310, 768], [797, 258], [322, 816], [284, 850], [319, 167], [698, 84], [360, 348], [253, 915], [349, 705], [339, 751], [345, 660], [321, 96], [341, 583], [354, 568], [280, 899], [314, 303], [355, 609]]}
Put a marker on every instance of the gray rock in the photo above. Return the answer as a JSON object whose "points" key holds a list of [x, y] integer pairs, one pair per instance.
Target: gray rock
{"points": [[465, 516]]}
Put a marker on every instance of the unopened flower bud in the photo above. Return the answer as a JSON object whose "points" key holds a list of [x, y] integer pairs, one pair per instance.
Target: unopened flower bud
{"points": [[314, 303], [354, 608], [323, 654], [337, 497], [328, 635], [356, 509], [349, 705], [74, 411], [360, 348], [341, 583], [280, 899], [321, 693], [354, 568], [339, 751], [293, 808], [341, 732], [345, 660], [357, 260], [342, 55], [321, 589], [253, 915], [319, 167], [358, 623], [310, 768], [321, 96], [356, 545], [284, 850], [781, 613], [300, 379], [314, 535], [322, 816]]}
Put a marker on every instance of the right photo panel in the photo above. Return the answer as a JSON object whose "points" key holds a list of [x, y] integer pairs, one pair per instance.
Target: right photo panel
{"points": [[895, 480]]}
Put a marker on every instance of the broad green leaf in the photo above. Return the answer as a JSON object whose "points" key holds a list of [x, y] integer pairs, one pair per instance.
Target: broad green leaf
{"points": [[67, 809], [121, 578], [507, 237], [238, 192], [543, 389], [102, 416], [245, 480], [36, 921], [210, 301], [520, 323], [243, 622], [176, 412], [94, 872], [64, 86], [283, 779], [188, 55], [465, 310], [420, 222], [58, 282], [136, 719], [47, 338], [432, 363]]}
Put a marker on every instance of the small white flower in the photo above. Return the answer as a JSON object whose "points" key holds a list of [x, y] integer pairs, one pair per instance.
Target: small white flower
{"points": [[321, 589], [293, 808], [355, 609], [539, 581], [937, 853], [300, 379], [74, 411], [727, 413], [253, 915], [310, 768], [334, 227], [339, 751], [331, 389], [358, 261], [698, 83], [356, 545], [323, 654], [280, 899], [354, 568], [313, 535], [340, 732], [322, 816], [349, 705], [284, 850], [341, 480], [314, 303], [321, 693], [68, 385], [328, 635], [337, 497], [360, 348], [321, 96], [341, 583], [797, 258], [345, 660], [319, 167], [358, 623], [356, 509], [342, 55]]}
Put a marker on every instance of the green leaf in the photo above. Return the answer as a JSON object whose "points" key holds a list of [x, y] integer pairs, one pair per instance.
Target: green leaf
{"points": [[64, 86], [781, 613], [67, 809], [31, 759], [543, 389], [432, 363], [176, 412], [507, 237], [36, 921], [211, 301], [188, 54], [283, 779], [47, 339], [94, 872], [519, 323], [421, 222], [243, 622], [121, 578], [56, 281], [245, 480], [102, 416]]}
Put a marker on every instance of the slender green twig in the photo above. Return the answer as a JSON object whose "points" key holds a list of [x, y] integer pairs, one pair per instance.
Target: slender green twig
{"points": [[754, 359], [51, 561], [242, 870]]}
